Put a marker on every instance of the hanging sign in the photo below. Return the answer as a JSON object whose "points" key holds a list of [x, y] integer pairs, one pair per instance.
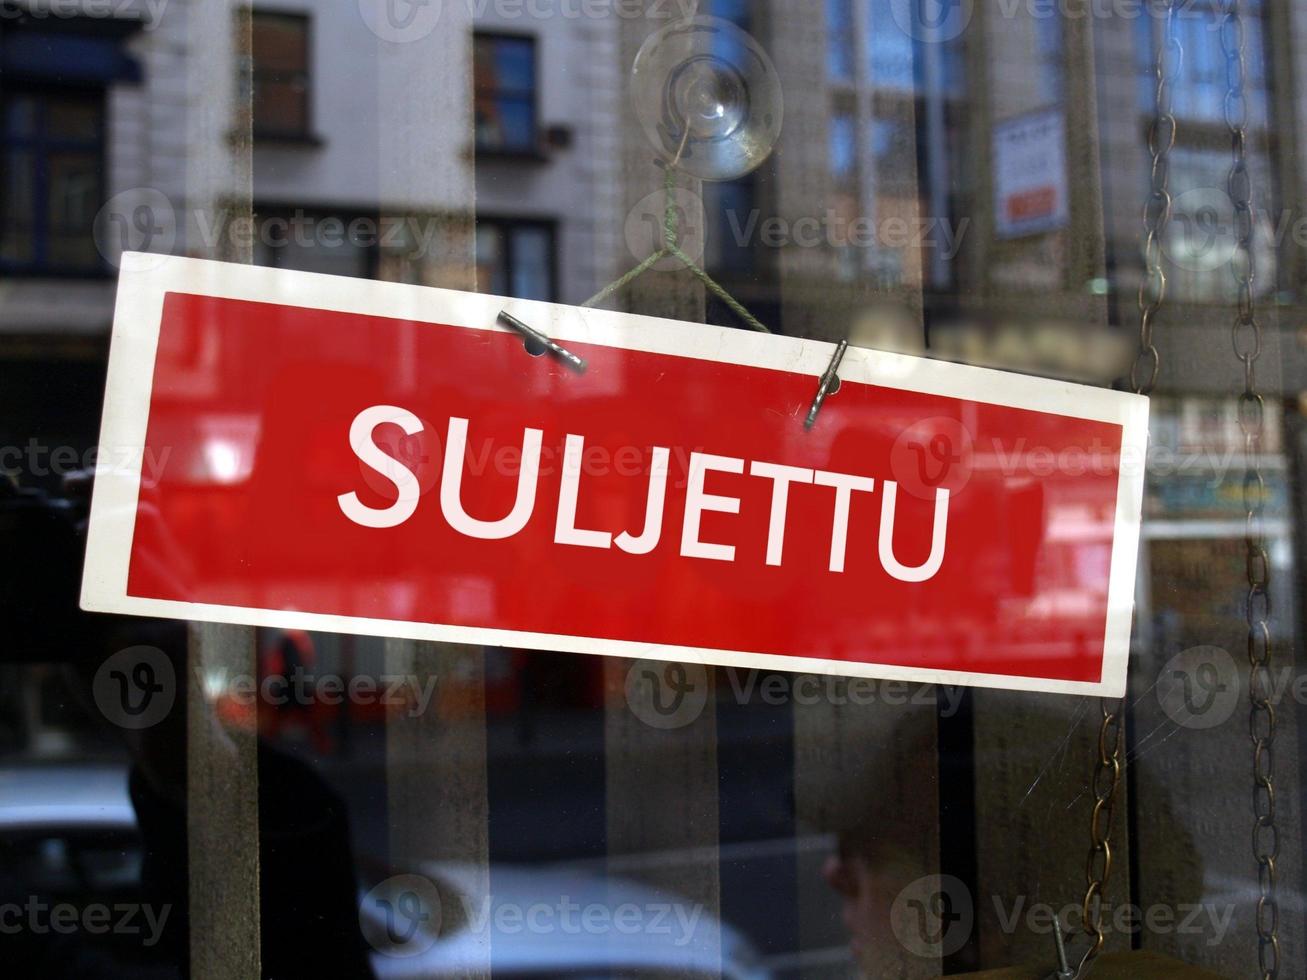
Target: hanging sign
{"points": [[306, 451], [1030, 174]]}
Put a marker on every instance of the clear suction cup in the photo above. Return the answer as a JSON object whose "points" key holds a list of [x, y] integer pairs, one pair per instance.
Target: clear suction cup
{"points": [[708, 98]]}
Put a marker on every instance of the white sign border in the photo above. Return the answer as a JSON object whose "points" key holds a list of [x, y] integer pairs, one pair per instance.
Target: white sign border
{"points": [[146, 278]]}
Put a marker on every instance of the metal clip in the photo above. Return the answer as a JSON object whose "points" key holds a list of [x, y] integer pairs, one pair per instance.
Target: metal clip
{"points": [[530, 333], [827, 380]]}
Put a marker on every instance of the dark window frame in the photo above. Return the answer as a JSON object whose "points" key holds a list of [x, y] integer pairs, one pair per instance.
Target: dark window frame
{"points": [[510, 152], [277, 209], [506, 225], [39, 146], [305, 76]]}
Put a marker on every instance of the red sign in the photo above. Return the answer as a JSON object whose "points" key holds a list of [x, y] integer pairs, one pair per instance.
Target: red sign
{"points": [[353, 456], [1039, 202]]}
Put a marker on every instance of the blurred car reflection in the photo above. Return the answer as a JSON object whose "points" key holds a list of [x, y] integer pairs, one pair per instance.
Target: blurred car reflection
{"points": [[69, 834]]}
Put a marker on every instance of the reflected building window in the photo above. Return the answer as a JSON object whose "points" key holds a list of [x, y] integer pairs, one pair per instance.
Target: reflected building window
{"points": [[839, 40], [843, 153], [1201, 236], [1202, 80], [281, 77], [337, 244], [897, 121], [732, 239], [1051, 48], [891, 56], [51, 181], [731, 208], [504, 70], [516, 258]]}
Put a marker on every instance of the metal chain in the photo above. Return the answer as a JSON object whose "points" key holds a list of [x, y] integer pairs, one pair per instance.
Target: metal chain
{"points": [[1157, 208], [1106, 784], [1106, 780], [1246, 336]]}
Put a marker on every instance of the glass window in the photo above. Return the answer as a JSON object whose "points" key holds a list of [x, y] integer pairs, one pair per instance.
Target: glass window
{"points": [[956, 191], [281, 75], [1201, 78], [1049, 41], [340, 244], [891, 58], [732, 242], [53, 178], [516, 258], [839, 40], [505, 74]]}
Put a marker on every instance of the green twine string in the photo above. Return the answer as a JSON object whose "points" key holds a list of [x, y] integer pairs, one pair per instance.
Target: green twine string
{"points": [[672, 249]]}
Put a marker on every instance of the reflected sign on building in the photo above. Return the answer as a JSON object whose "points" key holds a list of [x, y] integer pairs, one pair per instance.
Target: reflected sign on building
{"points": [[1030, 174]]}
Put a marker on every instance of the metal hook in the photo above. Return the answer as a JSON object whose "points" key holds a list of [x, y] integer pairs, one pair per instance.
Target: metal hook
{"points": [[829, 378], [1064, 970], [575, 362]]}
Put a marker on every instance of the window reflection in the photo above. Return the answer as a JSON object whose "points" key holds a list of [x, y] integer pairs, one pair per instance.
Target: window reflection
{"points": [[505, 73], [820, 813]]}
